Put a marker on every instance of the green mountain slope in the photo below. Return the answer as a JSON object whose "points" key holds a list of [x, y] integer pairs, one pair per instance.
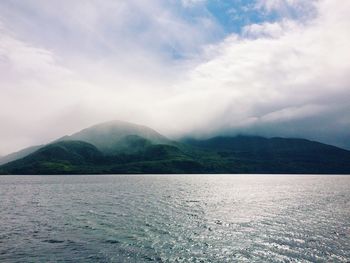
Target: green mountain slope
{"points": [[119, 147], [78, 157], [60, 157], [111, 137], [20, 154], [249, 154]]}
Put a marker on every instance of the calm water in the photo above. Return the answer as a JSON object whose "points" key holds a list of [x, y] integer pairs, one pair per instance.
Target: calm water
{"points": [[175, 218]]}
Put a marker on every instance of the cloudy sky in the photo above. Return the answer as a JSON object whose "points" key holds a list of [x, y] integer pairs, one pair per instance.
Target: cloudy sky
{"points": [[183, 67]]}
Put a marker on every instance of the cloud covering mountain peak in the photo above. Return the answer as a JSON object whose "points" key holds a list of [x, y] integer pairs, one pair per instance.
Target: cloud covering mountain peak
{"points": [[174, 67]]}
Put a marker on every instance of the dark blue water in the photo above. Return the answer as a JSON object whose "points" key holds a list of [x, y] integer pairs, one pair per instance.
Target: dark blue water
{"points": [[175, 218]]}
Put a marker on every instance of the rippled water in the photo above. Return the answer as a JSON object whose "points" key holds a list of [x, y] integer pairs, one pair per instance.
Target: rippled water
{"points": [[175, 218]]}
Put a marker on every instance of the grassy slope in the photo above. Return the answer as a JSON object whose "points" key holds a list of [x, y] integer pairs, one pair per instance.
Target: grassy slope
{"points": [[77, 157], [243, 154], [20, 154], [218, 155]]}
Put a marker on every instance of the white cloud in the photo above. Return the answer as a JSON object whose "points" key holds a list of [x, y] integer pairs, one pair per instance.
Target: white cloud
{"points": [[281, 5], [70, 64], [191, 3], [283, 75], [60, 72], [275, 29]]}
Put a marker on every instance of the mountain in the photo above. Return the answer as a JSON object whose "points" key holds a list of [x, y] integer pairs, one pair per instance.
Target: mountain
{"points": [[110, 137], [78, 157], [59, 157], [252, 154], [121, 147], [18, 155], [112, 147], [270, 146]]}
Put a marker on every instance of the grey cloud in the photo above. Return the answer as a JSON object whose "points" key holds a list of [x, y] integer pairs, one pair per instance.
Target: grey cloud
{"points": [[281, 79]]}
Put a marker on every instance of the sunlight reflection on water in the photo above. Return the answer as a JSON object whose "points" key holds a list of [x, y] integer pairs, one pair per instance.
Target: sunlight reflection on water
{"points": [[187, 218]]}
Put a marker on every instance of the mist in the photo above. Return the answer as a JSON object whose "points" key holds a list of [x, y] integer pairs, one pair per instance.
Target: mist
{"points": [[175, 67]]}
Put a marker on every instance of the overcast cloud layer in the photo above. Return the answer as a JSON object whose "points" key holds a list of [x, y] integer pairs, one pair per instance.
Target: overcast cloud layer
{"points": [[176, 66]]}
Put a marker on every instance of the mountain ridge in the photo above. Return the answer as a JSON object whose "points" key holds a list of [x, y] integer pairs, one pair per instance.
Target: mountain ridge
{"points": [[133, 129], [101, 135], [19, 154], [122, 147]]}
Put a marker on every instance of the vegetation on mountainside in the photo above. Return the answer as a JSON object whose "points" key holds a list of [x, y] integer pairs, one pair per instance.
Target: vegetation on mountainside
{"points": [[126, 148]]}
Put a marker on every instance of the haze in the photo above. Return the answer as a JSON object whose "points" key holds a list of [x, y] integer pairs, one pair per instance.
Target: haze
{"points": [[185, 68]]}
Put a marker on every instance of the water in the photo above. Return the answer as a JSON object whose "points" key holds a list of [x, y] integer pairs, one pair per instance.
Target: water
{"points": [[188, 218]]}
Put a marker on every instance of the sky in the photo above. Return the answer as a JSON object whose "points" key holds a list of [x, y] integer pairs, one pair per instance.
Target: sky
{"points": [[183, 67]]}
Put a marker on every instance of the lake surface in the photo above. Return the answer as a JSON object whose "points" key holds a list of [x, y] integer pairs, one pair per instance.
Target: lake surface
{"points": [[187, 218]]}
